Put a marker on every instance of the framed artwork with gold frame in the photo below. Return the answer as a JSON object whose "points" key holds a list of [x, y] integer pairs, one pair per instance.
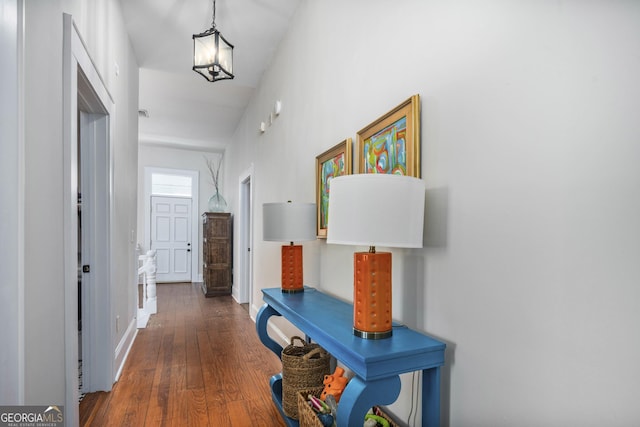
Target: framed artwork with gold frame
{"points": [[391, 144], [334, 162]]}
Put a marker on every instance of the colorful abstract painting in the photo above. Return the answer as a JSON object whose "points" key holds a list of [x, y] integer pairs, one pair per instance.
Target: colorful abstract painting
{"points": [[332, 168], [385, 151], [391, 143], [333, 163]]}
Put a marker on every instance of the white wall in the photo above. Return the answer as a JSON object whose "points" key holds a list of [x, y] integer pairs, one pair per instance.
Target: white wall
{"points": [[529, 152], [11, 208], [101, 26], [172, 158]]}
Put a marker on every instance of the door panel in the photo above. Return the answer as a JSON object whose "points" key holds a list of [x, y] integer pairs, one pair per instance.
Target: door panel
{"points": [[181, 261], [162, 261], [171, 237], [181, 230]]}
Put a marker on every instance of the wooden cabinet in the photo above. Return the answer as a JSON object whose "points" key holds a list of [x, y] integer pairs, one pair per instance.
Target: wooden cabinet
{"points": [[217, 269]]}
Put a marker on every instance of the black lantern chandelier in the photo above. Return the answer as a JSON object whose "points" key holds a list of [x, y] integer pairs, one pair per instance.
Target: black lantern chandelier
{"points": [[212, 53]]}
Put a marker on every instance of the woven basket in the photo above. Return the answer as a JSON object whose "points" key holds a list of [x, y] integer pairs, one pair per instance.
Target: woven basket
{"points": [[306, 415], [303, 367]]}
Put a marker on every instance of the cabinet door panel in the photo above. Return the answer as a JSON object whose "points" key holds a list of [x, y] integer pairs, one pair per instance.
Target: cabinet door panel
{"points": [[217, 254]]}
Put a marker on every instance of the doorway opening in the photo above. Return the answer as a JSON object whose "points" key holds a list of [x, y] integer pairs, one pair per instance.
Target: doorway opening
{"points": [[245, 247], [171, 222], [87, 130], [93, 240]]}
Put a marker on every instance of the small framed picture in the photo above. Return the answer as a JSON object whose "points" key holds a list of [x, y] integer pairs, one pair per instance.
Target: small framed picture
{"points": [[334, 162]]}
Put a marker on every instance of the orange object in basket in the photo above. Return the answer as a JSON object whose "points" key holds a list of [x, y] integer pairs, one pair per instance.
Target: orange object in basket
{"points": [[334, 384]]}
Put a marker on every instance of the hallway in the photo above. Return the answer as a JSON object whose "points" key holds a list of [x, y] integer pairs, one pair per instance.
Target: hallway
{"points": [[199, 362]]}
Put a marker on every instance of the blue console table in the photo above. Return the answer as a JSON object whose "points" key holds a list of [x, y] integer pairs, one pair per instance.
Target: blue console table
{"points": [[376, 364]]}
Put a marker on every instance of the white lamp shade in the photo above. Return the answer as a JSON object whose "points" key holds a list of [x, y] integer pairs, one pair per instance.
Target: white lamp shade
{"points": [[289, 222], [376, 210]]}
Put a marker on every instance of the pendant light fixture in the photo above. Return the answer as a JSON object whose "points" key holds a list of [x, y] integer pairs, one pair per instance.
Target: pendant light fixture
{"points": [[212, 53]]}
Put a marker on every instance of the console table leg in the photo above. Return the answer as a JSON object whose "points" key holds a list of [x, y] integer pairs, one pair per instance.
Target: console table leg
{"points": [[266, 311], [359, 396], [431, 397]]}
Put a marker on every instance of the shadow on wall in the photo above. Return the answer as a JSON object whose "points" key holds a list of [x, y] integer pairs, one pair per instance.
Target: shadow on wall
{"points": [[414, 270], [436, 217], [414, 264]]}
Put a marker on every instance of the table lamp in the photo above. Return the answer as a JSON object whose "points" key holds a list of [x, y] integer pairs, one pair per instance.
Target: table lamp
{"points": [[290, 222], [375, 210]]}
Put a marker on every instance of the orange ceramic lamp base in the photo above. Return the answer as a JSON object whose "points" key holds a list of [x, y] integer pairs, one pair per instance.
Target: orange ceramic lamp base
{"points": [[372, 295], [292, 268]]}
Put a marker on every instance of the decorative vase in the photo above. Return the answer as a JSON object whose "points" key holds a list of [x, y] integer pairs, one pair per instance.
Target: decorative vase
{"points": [[217, 203]]}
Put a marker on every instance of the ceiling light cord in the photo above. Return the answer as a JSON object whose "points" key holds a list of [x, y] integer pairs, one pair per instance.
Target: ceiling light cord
{"points": [[213, 18]]}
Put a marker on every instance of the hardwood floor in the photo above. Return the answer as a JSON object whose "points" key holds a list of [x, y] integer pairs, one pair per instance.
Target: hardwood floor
{"points": [[199, 362]]}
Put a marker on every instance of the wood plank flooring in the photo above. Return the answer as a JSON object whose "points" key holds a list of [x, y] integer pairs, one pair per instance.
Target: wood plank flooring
{"points": [[199, 362]]}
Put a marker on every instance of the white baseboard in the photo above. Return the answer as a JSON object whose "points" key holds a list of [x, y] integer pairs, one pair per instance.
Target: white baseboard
{"points": [[124, 346], [253, 312], [236, 297], [275, 332], [142, 319], [284, 338]]}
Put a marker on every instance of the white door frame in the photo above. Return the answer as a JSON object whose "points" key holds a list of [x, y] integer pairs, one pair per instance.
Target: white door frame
{"points": [[245, 240], [195, 191], [81, 78]]}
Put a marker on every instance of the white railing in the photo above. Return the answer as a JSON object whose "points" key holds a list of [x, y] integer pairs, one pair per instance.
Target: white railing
{"points": [[147, 271]]}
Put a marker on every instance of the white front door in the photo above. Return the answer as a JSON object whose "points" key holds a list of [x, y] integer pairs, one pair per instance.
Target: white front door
{"points": [[171, 238]]}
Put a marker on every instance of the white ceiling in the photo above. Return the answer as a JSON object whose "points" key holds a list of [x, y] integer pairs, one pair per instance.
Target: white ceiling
{"points": [[184, 109]]}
